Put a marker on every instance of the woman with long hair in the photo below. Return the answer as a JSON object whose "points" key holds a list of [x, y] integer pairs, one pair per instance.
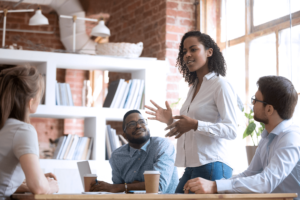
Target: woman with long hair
{"points": [[208, 117], [21, 89]]}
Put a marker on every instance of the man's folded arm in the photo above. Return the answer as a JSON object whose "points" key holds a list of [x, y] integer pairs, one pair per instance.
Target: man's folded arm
{"points": [[285, 158], [116, 175]]}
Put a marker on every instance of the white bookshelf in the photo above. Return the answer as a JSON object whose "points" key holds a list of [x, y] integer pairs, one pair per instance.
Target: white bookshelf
{"points": [[153, 71]]}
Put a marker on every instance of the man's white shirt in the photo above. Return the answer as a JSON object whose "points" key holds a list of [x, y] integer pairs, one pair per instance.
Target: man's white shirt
{"points": [[275, 167]]}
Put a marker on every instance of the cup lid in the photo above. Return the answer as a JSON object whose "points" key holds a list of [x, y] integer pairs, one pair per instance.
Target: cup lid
{"points": [[151, 172], [90, 175]]}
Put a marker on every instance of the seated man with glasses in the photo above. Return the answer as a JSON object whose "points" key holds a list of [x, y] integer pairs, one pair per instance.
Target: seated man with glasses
{"points": [[142, 153], [275, 167]]}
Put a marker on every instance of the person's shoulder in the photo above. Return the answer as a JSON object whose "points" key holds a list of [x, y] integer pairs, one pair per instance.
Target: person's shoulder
{"points": [[293, 129], [19, 126], [221, 81], [120, 151], [291, 134], [222, 84], [160, 142]]}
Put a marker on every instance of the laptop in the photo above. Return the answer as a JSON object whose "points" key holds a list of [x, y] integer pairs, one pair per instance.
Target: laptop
{"points": [[83, 168]]}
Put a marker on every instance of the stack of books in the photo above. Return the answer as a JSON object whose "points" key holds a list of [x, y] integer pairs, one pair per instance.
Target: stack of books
{"points": [[63, 95], [125, 94], [73, 147], [113, 141]]}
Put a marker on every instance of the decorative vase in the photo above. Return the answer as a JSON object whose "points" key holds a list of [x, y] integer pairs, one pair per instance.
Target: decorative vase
{"points": [[250, 152]]}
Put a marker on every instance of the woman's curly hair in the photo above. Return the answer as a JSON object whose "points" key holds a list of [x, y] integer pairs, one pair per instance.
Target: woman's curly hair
{"points": [[216, 63]]}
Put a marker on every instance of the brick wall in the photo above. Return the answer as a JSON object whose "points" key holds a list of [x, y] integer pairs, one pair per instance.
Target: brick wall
{"points": [[75, 78], [32, 41], [180, 18], [134, 21]]}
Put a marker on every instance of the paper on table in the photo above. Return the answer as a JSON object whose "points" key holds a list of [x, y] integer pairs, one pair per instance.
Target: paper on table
{"points": [[102, 193]]}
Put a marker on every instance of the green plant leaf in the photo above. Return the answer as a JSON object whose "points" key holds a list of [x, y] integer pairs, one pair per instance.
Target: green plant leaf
{"points": [[262, 125], [173, 105], [249, 130]]}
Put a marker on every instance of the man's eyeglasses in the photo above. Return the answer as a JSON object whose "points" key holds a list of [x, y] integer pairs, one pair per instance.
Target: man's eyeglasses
{"points": [[133, 124], [253, 101]]}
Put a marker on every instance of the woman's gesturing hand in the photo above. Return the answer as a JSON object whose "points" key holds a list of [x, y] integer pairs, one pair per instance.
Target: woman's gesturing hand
{"points": [[160, 114], [183, 125]]}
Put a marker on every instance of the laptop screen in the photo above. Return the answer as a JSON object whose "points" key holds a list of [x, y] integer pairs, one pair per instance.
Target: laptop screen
{"points": [[84, 168]]}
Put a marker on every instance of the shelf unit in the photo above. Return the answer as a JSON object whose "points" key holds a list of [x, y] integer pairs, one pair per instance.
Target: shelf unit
{"points": [[153, 71]]}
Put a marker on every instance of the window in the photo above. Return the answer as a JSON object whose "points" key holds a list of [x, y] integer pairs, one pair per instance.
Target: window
{"points": [[235, 60], [263, 28], [262, 59], [257, 38], [232, 19], [269, 10], [289, 51]]}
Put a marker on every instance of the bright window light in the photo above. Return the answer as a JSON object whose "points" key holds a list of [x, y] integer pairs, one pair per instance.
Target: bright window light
{"points": [[232, 19], [268, 10]]}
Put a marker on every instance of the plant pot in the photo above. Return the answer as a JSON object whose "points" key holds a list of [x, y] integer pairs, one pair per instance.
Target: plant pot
{"points": [[250, 152]]}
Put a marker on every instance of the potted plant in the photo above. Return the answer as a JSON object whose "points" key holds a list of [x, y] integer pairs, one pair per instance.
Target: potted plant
{"points": [[252, 130]]}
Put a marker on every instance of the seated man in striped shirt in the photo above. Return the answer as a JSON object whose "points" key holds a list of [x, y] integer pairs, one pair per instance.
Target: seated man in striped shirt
{"points": [[142, 153]]}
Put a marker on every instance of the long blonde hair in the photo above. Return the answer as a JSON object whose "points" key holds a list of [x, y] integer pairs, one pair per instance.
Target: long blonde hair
{"points": [[18, 84]]}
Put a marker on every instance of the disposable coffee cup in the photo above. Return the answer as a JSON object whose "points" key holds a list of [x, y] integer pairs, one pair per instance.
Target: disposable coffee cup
{"points": [[88, 180], [152, 181]]}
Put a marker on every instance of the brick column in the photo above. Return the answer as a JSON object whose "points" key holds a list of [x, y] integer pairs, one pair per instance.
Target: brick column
{"points": [[179, 20]]}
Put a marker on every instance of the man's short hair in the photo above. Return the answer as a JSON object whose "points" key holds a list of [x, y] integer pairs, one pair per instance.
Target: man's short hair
{"points": [[126, 115], [279, 92]]}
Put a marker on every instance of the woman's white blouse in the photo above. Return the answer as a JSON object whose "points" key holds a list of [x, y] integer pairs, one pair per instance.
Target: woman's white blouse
{"points": [[214, 107]]}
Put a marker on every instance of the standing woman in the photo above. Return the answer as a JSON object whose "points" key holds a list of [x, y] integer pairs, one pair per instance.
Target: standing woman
{"points": [[208, 117], [21, 89]]}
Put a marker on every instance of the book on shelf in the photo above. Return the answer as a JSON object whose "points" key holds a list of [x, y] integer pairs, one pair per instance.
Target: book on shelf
{"points": [[125, 94], [44, 95], [73, 147], [112, 141], [140, 94], [120, 94], [112, 89], [108, 147], [64, 147], [142, 105], [60, 143], [111, 138], [117, 95], [135, 94], [130, 94], [63, 94], [68, 147], [123, 140], [89, 153]]}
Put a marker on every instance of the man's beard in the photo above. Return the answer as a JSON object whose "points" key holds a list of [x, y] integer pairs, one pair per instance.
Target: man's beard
{"points": [[140, 140], [265, 121]]}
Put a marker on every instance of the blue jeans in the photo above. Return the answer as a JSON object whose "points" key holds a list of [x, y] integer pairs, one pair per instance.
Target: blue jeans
{"points": [[212, 171]]}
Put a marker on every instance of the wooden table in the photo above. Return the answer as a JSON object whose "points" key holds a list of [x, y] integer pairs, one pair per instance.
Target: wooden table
{"points": [[283, 196]]}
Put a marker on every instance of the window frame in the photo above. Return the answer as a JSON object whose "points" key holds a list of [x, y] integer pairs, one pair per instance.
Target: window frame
{"points": [[251, 32]]}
